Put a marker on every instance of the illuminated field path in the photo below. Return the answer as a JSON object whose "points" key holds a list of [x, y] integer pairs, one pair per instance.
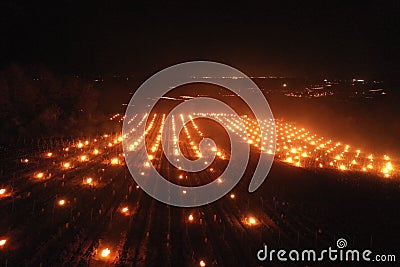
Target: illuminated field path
{"points": [[294, 145], [297, 146]]}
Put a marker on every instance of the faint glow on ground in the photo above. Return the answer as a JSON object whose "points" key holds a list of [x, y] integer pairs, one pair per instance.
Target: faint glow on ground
{"points": [[115, 161], [105, 252], [251, 221], [67, 165], [124, 210]]}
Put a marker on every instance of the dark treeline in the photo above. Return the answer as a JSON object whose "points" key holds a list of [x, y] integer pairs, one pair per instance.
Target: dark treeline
{"points": [[37, 103]]}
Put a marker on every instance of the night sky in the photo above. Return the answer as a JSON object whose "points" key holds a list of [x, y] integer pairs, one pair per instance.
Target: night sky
{"points": [[316, 39]]}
